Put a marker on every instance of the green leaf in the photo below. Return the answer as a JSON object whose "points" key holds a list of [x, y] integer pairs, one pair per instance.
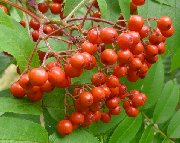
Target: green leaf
{"points": [[173, 130], [101, 128], [148, 135], [126, 130], [54, 103], [20, 106], [15, 41], [153, 83], [21, 131], [103, 8], [175, 60], [113, 10], [125, 8], [85, 77], [167, 102], [78, 136]]}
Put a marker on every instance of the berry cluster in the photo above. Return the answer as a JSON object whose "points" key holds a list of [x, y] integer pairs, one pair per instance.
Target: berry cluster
{"points": [[128, 49]]}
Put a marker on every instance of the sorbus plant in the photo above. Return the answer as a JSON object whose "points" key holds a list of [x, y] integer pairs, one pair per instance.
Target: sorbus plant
{"points": [[84, 72]]}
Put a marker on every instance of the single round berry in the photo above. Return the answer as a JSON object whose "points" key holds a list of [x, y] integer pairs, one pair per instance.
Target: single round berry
{"points": [[112, 81], [108, 35], [35, 35], [132, 112], [64, 127], [88, 61], [161, 48], [132, 75], [127, 104], [88, 47], [135, 23], [47, 29], [133, 7], [112, 102], [56, 76], [115, 111], [125, 41], [47, 87], [86, 99], [164, 23], [77, 118], [98, 94], [137, 100], [122, 89], [97, 116], [51, 65], [135, 64], [109, 57], [43, 7], [4, 8], [168, 33], [77, 61], [35, 96], [125, 56], [34, 24], [93, 36], [138, 49], [151, 50], [98, 79], [71, 71], [136, 37], [38, 76], [24, 81], [107, 91], [17, 91], [114, 91], [55, 8], [119, 71], [144, 32], [105, 117]]}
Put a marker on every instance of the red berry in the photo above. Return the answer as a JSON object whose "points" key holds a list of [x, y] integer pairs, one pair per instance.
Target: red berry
{"points": [[132, 112], [34, 24], [64, 127], [89, 62], [137, 100], [168, 33], [88, 47], [122, 89], [138, 49], [115, 111], [77, 118], [98, 94], [125, 41], [50, 65], [164, 23], [93, 36], [97, 116], [105, 117], [127, 104], [135, 64], [58, 1], [86, 99], [35, 96], [23, 23], [55, 8], [47, 29], [144, 32], [43, 7], [132, 76], [125, 56], [133, 7], [114, 91], [47, 87], [136, 37], [109, 57], [56, 76], [38, 76], [108, 35], [77, 61], [138, 2], [151, 50], [65, 83], [35, 35], [4, 8], [112, 81], [107, 91], [16, 90], [24, 81], [119, 71], [112, 102], [96, 14], [135, 23], [98, 79], [161, 48], [71, 71]]}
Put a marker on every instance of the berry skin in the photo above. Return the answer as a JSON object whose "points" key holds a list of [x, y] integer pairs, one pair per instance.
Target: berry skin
{"points": [[151, 50], [93, 36], [4, 8], [132, 112], [137, 100], [119, 71], [23, 23], [71, 71], [136, 37], [98, 94], [138, 49], [135, 23], [112, 81], [24, 81], [161, 48], [17, 91], [88, 47], [64, 127], [35, 35], [168, 33], [109, 57], [96, 14], [77, 118], [35, 96], [86, 99], [127, 104], [125, 56], [132, 76], [50, 65], [155, 38], [55, 8], [138, 2], [47, 29], [56, 75], [108, 35], [144, 32], [47, 87], [125, 41], [38, 76], [98, 79], [97, 116], [58, 1], [105, 117], [135, 64], [43, 7], [113, 102], [77, 61], [88, 61], [122, 89], [133, 7], [107, 91], [114, 91], [34, 24], [115, 111], [164, 23]]}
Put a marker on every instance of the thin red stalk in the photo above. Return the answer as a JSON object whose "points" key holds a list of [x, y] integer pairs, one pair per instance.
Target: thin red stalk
{"points": [[58, 38]]}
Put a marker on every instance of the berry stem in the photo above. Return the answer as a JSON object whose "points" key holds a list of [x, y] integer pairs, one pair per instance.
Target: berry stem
{"points": [[156, 128]]}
